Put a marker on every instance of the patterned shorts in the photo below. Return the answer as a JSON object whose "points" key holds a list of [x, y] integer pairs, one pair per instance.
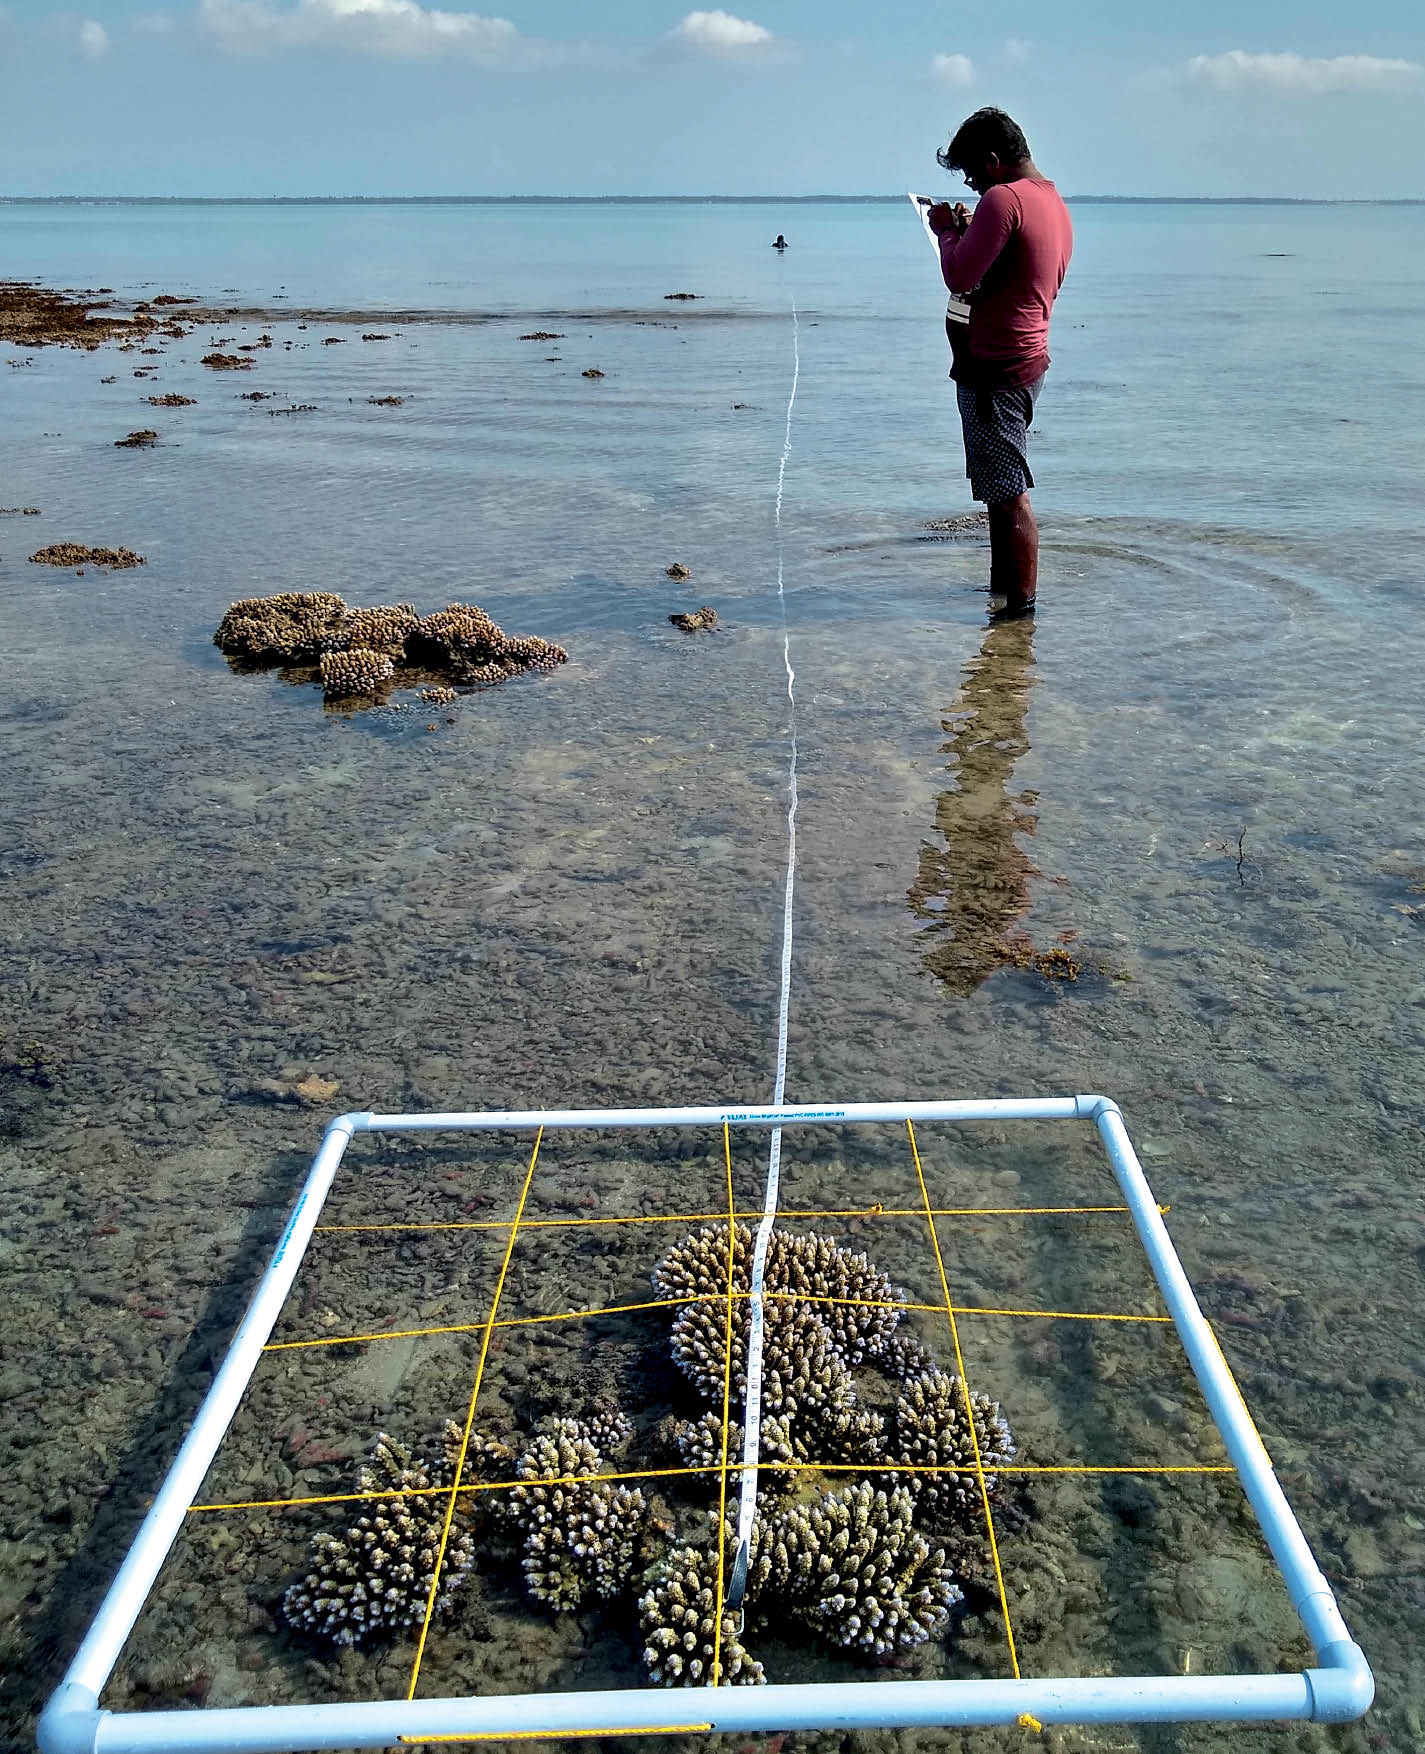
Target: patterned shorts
{"points": [[996, 425]]}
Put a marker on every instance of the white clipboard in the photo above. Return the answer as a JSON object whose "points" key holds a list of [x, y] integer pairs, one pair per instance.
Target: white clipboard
{"points": [[956, 309]]}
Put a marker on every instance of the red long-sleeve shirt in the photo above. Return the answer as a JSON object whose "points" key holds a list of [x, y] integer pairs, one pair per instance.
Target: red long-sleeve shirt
{"points": [[1011, 262]]}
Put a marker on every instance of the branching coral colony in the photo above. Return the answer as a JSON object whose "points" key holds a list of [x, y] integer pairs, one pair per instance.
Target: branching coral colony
{"points": [[358, 655], [872, 1568]]}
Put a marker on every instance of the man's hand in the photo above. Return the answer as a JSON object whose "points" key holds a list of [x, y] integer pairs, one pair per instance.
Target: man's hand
{"points": [[942, 217]]}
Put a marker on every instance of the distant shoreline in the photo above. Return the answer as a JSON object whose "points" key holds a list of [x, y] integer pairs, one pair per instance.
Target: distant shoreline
{"points": [[668, 200]]}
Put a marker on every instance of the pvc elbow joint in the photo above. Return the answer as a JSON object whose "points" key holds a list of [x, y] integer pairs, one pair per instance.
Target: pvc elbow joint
{"points": [[1342, 1690], [69, 1724]]}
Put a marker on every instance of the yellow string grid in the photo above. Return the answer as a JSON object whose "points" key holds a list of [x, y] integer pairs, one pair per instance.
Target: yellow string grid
{"points": [[727, 1470]]}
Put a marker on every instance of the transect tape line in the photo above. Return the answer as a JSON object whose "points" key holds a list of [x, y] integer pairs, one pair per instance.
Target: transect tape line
{"points": [[752, 1402]]}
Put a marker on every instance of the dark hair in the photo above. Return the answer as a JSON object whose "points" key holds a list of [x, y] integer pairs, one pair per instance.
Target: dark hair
{"points": [[988, 130]]}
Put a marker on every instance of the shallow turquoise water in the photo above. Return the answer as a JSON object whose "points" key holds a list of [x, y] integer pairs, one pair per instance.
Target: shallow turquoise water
{"points": [[1201, 773]]}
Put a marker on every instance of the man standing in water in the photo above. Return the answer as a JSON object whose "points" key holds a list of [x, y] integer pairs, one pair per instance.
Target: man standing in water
{"points": [[1009, 261]]}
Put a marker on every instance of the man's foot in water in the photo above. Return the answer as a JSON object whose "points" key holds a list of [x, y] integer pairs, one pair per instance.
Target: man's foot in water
{"points": [[1014, 611]]}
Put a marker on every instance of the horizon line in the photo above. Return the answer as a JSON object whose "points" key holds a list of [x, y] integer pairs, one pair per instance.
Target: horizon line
{"points": [[688, 200]]}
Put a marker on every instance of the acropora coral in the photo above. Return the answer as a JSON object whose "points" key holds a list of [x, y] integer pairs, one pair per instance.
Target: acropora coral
{"points": [[873, 1566], [358, 652], [678, 1618], [375, 1576], [930, 1426], [356, 671], [581, 1537]]}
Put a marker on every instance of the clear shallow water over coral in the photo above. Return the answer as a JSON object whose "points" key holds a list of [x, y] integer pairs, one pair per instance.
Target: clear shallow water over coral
{"points": [[1199, 776]]}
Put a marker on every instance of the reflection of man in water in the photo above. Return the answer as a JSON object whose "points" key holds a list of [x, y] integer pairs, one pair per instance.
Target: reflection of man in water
{"points": [[1009, 259], [972, 888]]}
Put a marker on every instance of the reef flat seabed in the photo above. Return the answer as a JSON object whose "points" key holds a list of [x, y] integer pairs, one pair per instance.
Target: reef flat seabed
{"points": [[229, 919]]}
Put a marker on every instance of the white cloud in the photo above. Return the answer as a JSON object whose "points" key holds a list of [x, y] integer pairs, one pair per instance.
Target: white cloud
{"points": [[953, 69], [399, 28], [156, 24], [1300, 75], [1017, 49], [720, 33], [93, 39]]}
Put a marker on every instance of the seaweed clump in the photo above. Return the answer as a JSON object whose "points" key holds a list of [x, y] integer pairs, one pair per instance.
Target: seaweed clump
{"points": [[361, 653]]}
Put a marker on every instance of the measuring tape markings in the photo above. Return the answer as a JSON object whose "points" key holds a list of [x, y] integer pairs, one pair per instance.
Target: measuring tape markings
{"points": [[752, 1408]]}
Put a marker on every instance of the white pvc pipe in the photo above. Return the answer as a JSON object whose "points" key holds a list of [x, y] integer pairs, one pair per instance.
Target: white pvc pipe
{"points": [[1310, 1593], [96, 1657], [1339, 1689], [1042, 1108], [806, 1706]]}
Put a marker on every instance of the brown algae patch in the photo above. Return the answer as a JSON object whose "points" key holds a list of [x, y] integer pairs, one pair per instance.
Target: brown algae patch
{"points": [[136, 441], [38, 316], [172, 400]]}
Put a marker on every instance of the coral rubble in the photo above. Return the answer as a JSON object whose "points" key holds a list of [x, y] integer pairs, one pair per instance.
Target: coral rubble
{"points": [[37, 316]]}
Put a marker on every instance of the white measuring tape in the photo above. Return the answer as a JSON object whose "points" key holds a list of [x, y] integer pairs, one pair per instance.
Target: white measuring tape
{"points": [[752, 1411]]}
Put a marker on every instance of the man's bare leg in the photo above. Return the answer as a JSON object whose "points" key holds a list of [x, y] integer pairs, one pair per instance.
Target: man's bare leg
{"points": [[1014, 553]]}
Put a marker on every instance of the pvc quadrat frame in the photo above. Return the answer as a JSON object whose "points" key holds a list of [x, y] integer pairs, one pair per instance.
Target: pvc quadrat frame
{"points": [[1338, 1688]]}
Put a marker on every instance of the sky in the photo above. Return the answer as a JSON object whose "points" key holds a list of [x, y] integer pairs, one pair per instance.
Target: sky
{"points": [[639, 97]]}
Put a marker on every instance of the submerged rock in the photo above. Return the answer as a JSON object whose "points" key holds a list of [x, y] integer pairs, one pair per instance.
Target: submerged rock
{"points": [[76, 554], [697, 620]]}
